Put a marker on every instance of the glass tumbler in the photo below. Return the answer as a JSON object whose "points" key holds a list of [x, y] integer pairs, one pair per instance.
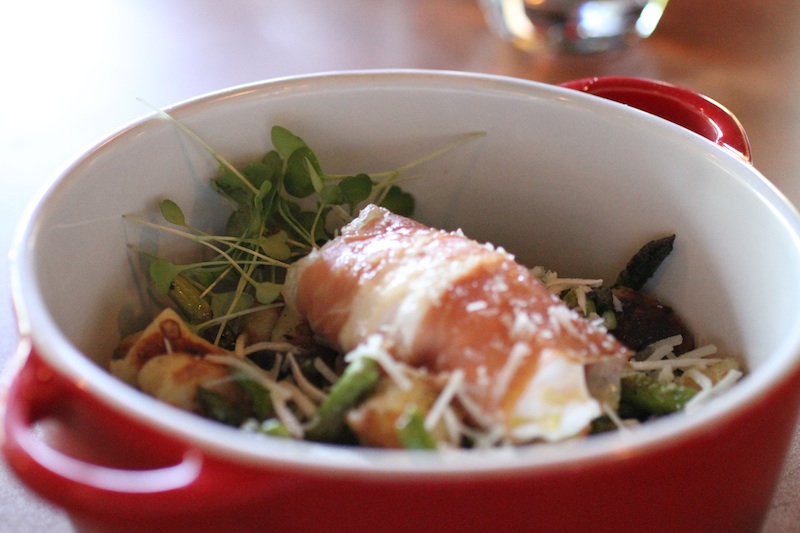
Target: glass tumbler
{"points": [[578, 26]]}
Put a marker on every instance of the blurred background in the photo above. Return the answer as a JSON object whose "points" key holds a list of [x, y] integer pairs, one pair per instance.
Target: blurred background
{"points": [[74, 71]]}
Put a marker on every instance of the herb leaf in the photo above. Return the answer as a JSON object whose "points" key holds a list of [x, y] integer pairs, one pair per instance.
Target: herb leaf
{"points": [[355, 189], [172, 213], [398, 201], [302, 173], [269, 226], [286, 142], [163, 272]]}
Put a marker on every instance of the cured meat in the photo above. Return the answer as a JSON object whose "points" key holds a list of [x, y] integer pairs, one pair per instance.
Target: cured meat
{"points": [[443, 302]]}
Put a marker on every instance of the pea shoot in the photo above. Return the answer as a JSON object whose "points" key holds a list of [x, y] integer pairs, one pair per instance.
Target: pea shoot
{"points": [[284, 205]]}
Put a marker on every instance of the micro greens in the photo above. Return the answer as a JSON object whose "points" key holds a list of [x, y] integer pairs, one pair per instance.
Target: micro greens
{"points": [[284, 205]]}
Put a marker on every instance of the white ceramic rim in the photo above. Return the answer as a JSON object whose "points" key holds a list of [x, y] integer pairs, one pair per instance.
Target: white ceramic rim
{"points": [[230, 444]]}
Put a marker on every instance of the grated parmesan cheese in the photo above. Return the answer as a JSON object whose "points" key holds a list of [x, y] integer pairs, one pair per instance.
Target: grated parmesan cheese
{"points": [[660, 349], [374, 348], [277, 347], [699, 378], [325, 371], [454, 383], [519, 352], [306, 386], [721, 386], [675, 363], [279, 393]]}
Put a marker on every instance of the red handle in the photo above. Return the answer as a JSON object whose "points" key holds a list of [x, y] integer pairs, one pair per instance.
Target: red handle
{"points": [[105, 467], [682, 106]]}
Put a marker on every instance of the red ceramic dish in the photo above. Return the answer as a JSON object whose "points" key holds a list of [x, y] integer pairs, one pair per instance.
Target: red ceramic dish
{"points": [[117, 460], [682, 106]]}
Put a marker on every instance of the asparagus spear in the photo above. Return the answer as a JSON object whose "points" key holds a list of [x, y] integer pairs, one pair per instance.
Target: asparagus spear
{"points": [[359, 378]]}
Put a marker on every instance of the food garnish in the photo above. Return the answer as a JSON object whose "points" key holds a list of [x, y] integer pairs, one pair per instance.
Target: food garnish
{"points": [[324, 312]]}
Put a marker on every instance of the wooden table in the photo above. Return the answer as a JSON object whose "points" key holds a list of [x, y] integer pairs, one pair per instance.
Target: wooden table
{"points": [[73, 71]]}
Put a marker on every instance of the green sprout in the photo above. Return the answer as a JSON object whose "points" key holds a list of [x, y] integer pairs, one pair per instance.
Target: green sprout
{"points": [[284, 205]]}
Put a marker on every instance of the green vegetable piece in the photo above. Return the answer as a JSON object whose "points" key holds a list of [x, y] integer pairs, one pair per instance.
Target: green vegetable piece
{"points": [[398, 201], [603, 299], [221, 302], [229, 184], [331, 194], [358, 380], [411, 430], [293, 220], [303, 173], [257, 174], [220, 408], [647, 394], [231, 187], [275, 246], [264, 196], [570, 298], [162, 272], [260, 400], [355, 189], [267, 292], [286, 142], [172, 213], [317, 180], [645, 262], [610, 319], [602, 424], [187, 297], [239, 223], [273, 162], [203, 278], [307, 221], [274, 427], [263, 192]]}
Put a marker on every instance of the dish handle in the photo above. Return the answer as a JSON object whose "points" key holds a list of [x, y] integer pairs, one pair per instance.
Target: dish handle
{"points": [[687, 108], [102, 466]]}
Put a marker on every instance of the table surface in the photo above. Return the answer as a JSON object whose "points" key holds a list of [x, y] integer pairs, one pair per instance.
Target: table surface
{"points": [[74, 71]]}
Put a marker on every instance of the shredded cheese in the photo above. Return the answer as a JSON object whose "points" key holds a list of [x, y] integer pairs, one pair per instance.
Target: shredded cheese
{"points": [[275, 371], [661, 349], [285, 415], [706, 394], [702, 351], [306, 386], [325, 371], [475, 412], [699, 378], [557, 285], [453, 425], [239, 347], [667, 374], [519, 352], [300, 399], [374, 348], [280, 392], [675, 363], [278, 347], [454, 383]]}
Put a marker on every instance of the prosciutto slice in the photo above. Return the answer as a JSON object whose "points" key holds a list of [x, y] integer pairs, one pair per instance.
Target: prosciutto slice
{"points": [[443, 302]]}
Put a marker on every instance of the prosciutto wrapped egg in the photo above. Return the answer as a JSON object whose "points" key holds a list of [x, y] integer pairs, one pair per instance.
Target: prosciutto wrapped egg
{"points": [[441, 302]]}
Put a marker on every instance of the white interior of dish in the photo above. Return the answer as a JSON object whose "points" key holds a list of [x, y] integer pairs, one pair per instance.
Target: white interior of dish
{"points": [[561, 179]]}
